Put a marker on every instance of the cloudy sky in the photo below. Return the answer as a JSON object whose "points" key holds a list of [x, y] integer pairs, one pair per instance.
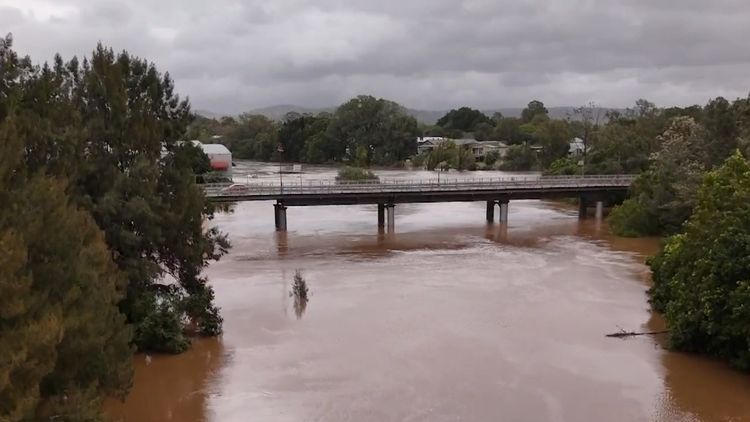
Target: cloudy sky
{"points": [[231, 56]]}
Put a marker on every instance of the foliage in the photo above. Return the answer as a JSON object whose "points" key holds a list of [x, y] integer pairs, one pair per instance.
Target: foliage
{"points": [[533, 109], [300, 293], [161, 329], [483, 131], [563, 167], [380, 127], [554, 137], [352, 174], [59, 287], [662, 198], [507, 129], [95, 219], [420, 160], [186, 155], [465, 119], [299, 286], [519, 158], [701, 279], [448, 155], [491, 158]]}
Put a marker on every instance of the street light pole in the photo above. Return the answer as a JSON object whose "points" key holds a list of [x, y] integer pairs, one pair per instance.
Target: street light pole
{"points": [[280, 150]]}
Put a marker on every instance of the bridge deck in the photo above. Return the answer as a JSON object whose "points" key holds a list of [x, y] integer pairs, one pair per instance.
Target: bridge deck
{"points": [[329, 192]]}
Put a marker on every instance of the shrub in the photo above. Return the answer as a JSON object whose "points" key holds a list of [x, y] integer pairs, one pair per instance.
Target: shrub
{"points": [[355, 174]]}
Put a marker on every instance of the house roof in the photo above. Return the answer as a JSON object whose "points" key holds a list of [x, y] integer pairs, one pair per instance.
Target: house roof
{"points": [[465, 141], [496, 144], [215, 149]]}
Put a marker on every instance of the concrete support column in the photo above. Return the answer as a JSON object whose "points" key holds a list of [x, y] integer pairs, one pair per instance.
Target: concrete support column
{"points": [[582, 208], [599, 210], [491, 212], [279, 211], [381, 216], [391, 214], [503, 211]]}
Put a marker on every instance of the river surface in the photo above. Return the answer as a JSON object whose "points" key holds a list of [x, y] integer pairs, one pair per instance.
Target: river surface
{"points": [[448, 319]]}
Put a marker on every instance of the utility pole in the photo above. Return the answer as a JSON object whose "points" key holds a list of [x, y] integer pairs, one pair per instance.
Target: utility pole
{"points": [[280, 150]]}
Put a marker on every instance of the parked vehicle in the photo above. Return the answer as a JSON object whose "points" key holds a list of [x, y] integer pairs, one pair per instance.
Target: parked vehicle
{"points": [[235, 188]]}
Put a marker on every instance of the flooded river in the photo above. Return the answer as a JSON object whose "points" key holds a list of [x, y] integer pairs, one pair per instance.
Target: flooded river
{"points": [[448, 319]]}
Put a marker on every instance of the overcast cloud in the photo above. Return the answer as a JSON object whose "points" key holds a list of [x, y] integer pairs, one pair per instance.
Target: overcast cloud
{"points": [[231, 56]]}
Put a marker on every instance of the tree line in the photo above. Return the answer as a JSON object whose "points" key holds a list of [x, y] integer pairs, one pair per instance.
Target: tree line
{"points": [[364, 131], [102, 243]]}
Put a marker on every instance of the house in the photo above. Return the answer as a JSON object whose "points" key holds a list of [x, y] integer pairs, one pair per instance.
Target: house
{"points": [[482, 148], [576, 147], [478, 148], [427, 143]]}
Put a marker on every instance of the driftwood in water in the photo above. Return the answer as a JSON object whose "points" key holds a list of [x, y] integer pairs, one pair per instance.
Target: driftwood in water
{"points": [[624, 333]]}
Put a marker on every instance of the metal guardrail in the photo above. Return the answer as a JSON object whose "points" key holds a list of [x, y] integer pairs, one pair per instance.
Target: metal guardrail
{"points": [[333, 187]]}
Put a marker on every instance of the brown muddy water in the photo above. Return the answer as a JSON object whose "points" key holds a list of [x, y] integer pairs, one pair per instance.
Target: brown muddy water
{"points": [[448, 319]]}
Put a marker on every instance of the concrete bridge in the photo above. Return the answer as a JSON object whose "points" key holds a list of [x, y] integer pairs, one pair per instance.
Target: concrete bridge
{"points": [[590, 190]]}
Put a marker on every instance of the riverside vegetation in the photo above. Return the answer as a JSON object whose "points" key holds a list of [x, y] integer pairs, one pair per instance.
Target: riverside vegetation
{"points": [[102, 242]]}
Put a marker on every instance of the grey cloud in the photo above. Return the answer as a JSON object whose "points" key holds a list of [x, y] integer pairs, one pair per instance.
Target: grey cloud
{"points": [[232, 55]]}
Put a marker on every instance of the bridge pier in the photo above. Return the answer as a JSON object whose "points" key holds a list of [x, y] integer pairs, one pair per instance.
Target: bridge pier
{"points": [[279, 213], [381, 216], [582, 208], [391, 213], [491, 211], [504, 211], [599, 210]]}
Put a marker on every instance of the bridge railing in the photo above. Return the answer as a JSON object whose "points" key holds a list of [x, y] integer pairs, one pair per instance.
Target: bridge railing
{"points": [[328, 186]]}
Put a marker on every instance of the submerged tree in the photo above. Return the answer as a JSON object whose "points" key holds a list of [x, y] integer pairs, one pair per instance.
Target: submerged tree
{"points": [[299, 293]]}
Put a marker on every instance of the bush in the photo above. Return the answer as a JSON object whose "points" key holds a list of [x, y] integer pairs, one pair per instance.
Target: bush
{"points": [[161, 329], [355, 174], [563, 167], [491, 158], [632, 219], [519, 158]]}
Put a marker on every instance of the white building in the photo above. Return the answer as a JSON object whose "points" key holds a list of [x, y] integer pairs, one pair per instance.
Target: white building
{"points": [[478, 148], [576, 147], [220, 157]]}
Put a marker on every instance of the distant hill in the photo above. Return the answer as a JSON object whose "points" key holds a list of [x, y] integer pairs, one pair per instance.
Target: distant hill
{"points": [[208, 114], [429, 117], [278, 112]]}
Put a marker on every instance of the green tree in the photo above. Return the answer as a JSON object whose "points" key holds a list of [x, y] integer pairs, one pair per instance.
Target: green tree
{"points": [[533, 109], [507, 129], [464, 119], [483, 131], [382, 127], [59, 287], [443, 153], [662, 198], [701, 279], [554, 137], [519, 158], [563, 167]]}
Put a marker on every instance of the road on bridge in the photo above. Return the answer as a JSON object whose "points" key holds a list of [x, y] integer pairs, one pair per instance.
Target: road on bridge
{"points": [[387, 193]]}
